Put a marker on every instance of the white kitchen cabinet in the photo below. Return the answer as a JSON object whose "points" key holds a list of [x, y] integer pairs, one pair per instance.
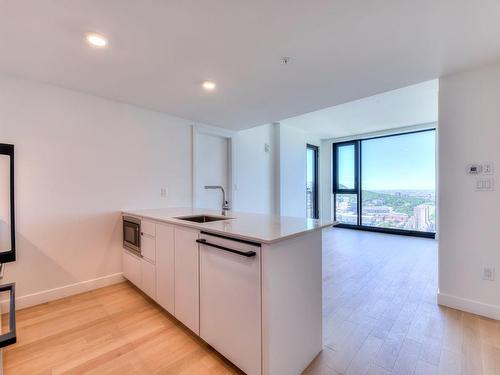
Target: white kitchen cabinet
{"points": [[148, 278], [140, 272], [165, 267], [148, 247], [148, 228], [230, 301], [262, 312], [186, 286], [132, 268]]}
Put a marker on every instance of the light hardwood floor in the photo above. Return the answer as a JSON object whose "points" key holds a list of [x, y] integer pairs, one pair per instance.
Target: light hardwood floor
{"points": [[380, 317], [113, 330]]}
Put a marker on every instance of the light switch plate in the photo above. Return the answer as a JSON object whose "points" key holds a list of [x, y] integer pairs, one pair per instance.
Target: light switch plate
{"points": [[488, 168]]}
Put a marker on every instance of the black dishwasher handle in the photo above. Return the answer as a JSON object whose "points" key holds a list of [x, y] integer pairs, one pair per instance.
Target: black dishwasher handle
{"points": [[247, 254], [9, 338]]}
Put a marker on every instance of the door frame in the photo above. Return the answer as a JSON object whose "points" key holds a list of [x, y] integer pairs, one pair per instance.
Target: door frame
{"points": [[196, 131]]}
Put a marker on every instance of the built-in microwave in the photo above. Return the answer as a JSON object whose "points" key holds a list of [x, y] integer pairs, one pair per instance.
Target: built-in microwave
{"points": [[132, 234]]}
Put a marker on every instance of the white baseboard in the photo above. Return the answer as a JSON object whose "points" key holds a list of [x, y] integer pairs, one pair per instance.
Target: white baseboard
{"points": [[61, 292], [469, 305]]}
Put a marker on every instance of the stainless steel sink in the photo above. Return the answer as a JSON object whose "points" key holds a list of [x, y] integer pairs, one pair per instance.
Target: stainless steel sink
{"points": [[203, 218]]}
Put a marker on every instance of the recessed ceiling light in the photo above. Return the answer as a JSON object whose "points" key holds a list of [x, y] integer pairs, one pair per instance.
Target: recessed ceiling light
{"points": [[209, 85], [96, 40]]}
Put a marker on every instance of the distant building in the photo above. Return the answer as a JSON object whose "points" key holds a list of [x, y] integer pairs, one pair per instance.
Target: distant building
{"points": [[422, 217], [347, 218], [398, 217], [377, 209]]}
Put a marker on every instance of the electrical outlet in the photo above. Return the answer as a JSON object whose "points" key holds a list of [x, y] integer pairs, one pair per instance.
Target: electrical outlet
{"points": [[489, 273], [163, 192]]}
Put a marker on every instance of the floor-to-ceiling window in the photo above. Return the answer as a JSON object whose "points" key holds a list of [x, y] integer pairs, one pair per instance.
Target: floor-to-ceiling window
{"points": [[387, 183], [312, 194]]}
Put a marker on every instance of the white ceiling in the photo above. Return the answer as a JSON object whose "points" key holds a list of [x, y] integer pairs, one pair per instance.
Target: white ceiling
{"points": [[159, 51], [408, 106]]}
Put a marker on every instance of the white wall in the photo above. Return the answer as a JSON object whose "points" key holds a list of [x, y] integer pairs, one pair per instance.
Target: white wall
{"points": [[254, 170], [469, 224], [80, 159], [212, 168], [292, 156], [272, 182]]}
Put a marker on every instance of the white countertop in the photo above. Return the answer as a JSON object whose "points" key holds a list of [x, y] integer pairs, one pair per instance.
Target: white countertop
{"points": [[253, 227]]}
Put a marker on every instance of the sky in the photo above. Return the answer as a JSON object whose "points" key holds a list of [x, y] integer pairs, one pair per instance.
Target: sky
{"points": [[404, 162]]}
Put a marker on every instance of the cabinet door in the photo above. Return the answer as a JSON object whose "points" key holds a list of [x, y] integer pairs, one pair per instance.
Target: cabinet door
{"points": [[230, 302], [148, 281], [132, 268], [186, 278], [148, 247], [165, 267]]}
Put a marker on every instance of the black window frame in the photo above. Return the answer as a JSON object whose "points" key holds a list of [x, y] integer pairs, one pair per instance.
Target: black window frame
{"points": [[335, 175], [316, 179], [335, 154], [358, 191]]}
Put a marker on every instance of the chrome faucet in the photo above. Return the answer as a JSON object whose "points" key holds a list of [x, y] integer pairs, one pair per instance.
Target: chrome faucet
{"points": [[225, 203]]}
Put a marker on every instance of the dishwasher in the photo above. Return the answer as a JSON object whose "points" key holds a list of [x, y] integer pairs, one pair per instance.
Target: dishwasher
{"points": [[230, 299]]}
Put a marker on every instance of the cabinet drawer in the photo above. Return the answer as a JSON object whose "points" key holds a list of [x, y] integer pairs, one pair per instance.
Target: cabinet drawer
{"points": [[132, 268], [148, 248], [148, 228]]}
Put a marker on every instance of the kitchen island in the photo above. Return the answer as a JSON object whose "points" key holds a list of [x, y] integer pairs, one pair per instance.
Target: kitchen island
{"points": [[249, 285]]}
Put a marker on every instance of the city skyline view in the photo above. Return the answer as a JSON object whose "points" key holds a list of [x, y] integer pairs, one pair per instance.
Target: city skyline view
{"points": [[397, 183], [406, 210]]}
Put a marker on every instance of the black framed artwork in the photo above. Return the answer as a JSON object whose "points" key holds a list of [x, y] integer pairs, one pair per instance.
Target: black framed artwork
{"points": [[7, 207]]}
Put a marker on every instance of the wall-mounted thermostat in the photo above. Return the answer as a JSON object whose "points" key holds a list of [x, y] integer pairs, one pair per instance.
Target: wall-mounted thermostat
{"points": [[474, 169]]}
